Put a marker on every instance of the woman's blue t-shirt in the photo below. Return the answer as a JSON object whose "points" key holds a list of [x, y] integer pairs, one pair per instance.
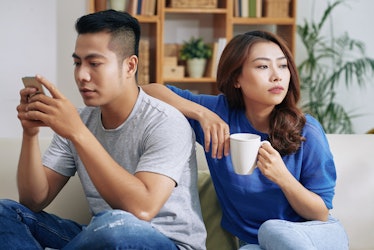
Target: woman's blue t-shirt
{"points": [[249, 200]]}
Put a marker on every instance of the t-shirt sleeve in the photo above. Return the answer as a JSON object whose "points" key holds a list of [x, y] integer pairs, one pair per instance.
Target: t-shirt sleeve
{"points": [[318, 173], [167, 147], [59, 157]]}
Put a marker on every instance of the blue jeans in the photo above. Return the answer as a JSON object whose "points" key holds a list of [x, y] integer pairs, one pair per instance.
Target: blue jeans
{"points": [[20, 228], [310, 235]]}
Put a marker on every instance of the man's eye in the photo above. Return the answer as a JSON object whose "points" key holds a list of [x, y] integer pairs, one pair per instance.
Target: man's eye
{"points": [[77, 63], [94, 64]]}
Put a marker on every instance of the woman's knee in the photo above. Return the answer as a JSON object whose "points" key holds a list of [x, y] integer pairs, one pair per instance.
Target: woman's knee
{"points": [[281, 234]]}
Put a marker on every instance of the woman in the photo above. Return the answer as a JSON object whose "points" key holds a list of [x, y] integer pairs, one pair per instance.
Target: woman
{"points": [[285, 202]]}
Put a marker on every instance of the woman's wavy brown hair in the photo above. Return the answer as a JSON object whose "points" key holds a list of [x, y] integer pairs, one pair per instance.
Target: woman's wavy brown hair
{"points": [[286, 120]]}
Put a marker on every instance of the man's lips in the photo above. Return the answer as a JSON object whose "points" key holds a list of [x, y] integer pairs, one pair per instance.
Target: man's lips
{"points": [[86, 91]]}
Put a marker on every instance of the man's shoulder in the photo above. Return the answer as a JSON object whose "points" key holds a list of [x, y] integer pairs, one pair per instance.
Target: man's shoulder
{"points": [[159, 106]]}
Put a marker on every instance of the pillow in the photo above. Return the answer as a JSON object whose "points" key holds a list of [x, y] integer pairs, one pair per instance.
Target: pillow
{"points": [[217, 237]]}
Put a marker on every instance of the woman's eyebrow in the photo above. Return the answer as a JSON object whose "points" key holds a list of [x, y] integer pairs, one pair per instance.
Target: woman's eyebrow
{"points": [[268, 59]]}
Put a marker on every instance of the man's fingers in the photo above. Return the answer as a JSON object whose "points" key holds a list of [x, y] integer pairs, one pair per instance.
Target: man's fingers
{"points": [[55, 93]]}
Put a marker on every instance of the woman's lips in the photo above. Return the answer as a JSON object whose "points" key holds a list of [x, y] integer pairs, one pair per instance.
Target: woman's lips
{"points": [[276, 90]]}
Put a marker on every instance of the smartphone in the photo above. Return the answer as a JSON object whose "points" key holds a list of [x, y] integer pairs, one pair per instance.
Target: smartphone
{"points": [[30, 81]]}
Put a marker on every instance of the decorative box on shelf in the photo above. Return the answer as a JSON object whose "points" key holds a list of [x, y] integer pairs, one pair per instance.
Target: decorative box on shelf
{"points": [[170, 60], [171, 67], [193, 4], [176, 71], [277, 8]]}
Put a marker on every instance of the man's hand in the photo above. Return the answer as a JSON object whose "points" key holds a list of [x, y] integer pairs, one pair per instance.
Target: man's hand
{"points": [[56, 112], [30, 126]]}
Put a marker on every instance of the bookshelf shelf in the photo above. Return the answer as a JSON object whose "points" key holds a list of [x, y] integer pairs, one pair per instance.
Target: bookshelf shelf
{"points": [[191, 80], [223, 22], [147, 19], [196, 11], [262, 20]]}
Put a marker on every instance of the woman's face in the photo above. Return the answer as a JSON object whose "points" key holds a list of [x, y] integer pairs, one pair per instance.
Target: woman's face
{"points": [[265, 76]]}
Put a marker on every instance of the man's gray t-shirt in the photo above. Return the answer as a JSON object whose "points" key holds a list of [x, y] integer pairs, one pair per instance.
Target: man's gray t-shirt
{"points": [[154, 138]]}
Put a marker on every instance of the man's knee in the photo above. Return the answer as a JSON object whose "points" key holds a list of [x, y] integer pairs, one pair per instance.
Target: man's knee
{"points": [[6, 205], [117, 227]]}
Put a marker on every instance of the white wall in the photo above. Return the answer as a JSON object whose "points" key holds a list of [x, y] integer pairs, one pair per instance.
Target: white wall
{"points": [[39, 37], [28, 46]]}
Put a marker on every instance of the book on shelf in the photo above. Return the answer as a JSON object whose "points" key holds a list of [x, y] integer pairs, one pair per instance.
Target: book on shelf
{"points": [[258, 8], [252, 8], [143, 65], [140, 7], [244, 12], [248, 8], [217, 48], [211, 68]]}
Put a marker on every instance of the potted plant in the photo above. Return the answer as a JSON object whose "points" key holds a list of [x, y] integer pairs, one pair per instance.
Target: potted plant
{"points": [[195, 52], [330, 60]]}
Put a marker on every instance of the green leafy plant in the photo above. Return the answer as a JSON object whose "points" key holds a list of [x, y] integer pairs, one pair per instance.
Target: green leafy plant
{"points": [[330, 60], [195, 48]]}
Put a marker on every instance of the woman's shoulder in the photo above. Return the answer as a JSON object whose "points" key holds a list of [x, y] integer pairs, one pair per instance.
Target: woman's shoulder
{"points": [[312, 123], [313, 130]]}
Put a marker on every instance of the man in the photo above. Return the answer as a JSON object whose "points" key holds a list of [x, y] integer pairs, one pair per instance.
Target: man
{"points": [[134, 155]]}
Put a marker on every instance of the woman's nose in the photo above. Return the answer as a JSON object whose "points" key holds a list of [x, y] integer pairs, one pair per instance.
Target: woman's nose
{"points": [[276, 76]]}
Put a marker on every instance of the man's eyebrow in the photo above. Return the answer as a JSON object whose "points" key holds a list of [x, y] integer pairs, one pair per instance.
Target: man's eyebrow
{"points": [[90, 56]]}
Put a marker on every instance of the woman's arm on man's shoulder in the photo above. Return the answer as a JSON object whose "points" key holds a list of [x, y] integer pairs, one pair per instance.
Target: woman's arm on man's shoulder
{"points": [[215, 129]]}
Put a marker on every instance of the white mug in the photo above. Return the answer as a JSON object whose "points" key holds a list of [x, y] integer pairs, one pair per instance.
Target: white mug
{"points": [[244, 149]]}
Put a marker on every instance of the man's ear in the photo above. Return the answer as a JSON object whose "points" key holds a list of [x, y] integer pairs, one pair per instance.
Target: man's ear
{"points": [[130, 64]]}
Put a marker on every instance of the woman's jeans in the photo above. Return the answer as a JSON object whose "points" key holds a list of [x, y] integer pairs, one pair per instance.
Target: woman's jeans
{"points": [[310, 235], [20, 228]]}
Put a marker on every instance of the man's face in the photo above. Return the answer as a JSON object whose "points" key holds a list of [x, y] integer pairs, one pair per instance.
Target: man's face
{"points": [[97, 73]]}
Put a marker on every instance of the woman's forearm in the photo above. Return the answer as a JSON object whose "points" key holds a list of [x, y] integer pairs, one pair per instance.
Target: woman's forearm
{"points": [[188, 108]]}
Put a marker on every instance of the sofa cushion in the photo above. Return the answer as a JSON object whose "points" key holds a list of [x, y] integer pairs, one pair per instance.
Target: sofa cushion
{"points": [[217, 237]]}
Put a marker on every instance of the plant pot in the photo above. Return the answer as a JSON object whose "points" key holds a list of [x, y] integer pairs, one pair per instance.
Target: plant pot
{"points": [[196, 67], [118, 5]]}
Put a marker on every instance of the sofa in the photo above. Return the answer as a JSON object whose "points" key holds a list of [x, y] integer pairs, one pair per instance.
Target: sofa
{"points": [[353, 203]]}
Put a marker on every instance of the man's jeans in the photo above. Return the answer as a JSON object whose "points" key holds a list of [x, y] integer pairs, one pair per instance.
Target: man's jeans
{"points": [[310, 235], [20, 228]]}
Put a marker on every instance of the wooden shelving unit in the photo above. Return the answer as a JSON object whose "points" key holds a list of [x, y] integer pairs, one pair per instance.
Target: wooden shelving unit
{"points": [[224, 24]]}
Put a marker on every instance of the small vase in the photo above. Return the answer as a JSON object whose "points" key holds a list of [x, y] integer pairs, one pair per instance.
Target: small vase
{"points": [[196, 67]]}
